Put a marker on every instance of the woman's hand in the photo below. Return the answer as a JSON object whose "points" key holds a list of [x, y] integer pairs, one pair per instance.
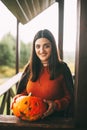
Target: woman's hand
{"points": [[14, 100], [18, 97], [51, 108]]}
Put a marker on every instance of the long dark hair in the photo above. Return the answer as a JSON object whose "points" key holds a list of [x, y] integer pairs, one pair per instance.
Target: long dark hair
{"points": [[56, 66], [54, 60]]}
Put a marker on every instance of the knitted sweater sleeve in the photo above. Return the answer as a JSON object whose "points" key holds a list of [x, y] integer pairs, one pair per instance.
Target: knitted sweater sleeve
{"points": [[68, 99]]}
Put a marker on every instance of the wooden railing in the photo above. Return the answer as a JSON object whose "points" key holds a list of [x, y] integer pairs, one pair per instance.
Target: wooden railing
{"points": [[50, 123], [6, 93]]}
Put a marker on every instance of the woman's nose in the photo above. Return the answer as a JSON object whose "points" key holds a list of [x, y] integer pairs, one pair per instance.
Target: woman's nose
{"points": [[41, 49]]}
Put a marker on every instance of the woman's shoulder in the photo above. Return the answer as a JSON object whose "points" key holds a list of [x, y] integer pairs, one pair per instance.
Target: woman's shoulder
{"points": [[67, 76], [65, 69], [64, 65]]}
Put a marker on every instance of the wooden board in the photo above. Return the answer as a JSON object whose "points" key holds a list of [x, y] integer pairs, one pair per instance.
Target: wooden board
{"points": [[9, 121]]}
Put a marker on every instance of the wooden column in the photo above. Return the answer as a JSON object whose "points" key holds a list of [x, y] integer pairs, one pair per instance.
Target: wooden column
{"points": [[61, 18], [81, 65], [17, 48]]}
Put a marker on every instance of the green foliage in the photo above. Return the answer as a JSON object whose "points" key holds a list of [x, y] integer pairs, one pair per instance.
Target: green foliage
{"points": [[7, 51], [25, 52], [8, 54]]}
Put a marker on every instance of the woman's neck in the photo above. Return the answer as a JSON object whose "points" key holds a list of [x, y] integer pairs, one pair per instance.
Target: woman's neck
{"points": [[45, 63]]}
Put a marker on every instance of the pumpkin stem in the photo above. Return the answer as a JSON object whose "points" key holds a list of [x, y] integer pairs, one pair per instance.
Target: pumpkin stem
{"points": [[30, 94]]}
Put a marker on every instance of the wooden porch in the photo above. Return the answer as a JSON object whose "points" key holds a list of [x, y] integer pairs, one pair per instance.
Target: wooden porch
{"points": [[80, 117]]}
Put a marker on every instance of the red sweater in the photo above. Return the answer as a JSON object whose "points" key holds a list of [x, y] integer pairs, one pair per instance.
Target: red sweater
{"points": [[55, 90]]}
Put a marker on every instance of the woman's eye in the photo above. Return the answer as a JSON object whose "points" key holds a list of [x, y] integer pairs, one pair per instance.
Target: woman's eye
{"points": [[46, 46], [37, 46]]}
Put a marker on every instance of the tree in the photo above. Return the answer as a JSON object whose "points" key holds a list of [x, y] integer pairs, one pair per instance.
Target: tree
{"points": [[25, 51], [7, 50]]}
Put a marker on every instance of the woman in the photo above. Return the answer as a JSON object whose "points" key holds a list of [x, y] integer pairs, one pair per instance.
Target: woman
{"points": [[46, 76]]}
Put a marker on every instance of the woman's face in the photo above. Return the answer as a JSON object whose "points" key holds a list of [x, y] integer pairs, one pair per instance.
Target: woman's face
{"points": [[43, 49]]}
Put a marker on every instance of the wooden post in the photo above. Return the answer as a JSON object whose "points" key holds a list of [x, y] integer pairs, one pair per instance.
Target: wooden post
{"points": [[61, 18], [17, 48], [81, 66]]}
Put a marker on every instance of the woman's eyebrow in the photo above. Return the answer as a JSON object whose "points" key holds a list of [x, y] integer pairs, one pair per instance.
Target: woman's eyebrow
{"points": [[47, 43]]}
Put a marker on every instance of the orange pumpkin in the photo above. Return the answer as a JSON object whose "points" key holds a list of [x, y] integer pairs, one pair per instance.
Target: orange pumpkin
{"points": [[29, 108]]}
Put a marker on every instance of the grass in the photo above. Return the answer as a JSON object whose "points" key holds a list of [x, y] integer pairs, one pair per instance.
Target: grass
{"points": [[6, 71]]}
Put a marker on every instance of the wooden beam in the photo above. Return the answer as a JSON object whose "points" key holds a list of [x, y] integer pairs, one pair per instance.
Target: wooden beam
{"points": [[11, 121], [61, 19]]}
